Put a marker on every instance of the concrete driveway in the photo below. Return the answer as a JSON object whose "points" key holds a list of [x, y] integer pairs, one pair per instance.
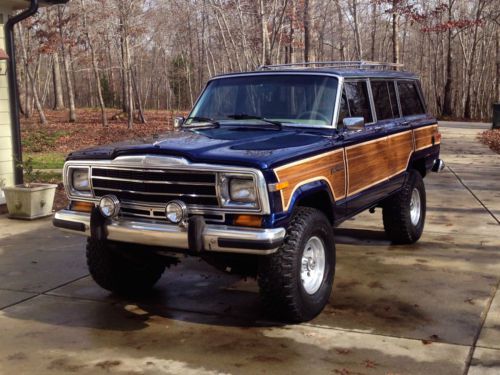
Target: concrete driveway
{"points": [[431, 308]]}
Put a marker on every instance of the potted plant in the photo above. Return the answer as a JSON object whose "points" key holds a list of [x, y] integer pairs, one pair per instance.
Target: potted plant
{"points": [[31, 200]]}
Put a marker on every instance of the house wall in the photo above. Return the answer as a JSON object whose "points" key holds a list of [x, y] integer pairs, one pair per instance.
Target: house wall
{"points": [[6, 159]]}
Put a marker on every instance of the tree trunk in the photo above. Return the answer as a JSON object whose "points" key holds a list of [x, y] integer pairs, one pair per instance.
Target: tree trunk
{"points": [[30, 78], [395, 33], [470, 71], [36, 97], [341, 30], [264, 34], [128, 81], [448, 87], [142, 118], [56, 75], [357, 36], [497, 78], [307, 31], [95, 66], [69, 82], [374, 31]]}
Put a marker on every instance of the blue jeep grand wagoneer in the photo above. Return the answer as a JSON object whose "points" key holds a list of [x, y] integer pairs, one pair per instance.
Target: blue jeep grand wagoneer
{"points": [[256, 178]]}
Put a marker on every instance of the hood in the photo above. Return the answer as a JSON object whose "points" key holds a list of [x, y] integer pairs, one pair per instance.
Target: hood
{"points": [[245, 146]]}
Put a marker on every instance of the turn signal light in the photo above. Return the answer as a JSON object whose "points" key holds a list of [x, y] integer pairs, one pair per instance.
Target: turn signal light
{"points": [[82, 206], [278, 186], [248, 221]]}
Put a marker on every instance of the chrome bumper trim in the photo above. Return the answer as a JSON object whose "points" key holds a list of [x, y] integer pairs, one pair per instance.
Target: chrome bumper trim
{"points": [[217, 238], [438, 166]]}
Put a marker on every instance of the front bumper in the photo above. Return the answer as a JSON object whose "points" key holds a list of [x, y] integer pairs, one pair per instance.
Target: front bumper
{"points": [[217, 238]]}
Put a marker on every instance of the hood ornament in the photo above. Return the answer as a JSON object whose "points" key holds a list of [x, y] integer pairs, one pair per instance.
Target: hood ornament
{"points": [[150, 161]]}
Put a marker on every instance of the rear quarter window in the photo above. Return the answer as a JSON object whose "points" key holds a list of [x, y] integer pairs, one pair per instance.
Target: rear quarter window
{"points": [[409, 98]]}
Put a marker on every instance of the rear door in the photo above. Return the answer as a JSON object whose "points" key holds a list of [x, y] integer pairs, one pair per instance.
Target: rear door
{"points": [[378, 156], [362, 147]]}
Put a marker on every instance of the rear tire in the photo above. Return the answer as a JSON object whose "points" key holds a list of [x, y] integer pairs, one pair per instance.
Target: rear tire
{"points": [[404, 213], [115, 267], [296, 281]]}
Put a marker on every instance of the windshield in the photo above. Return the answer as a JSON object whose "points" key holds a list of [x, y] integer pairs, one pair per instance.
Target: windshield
{"points": [[258, 99]]}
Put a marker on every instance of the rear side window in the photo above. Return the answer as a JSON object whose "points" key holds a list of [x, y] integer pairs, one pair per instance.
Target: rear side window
{"points": [[384, 97], [356, 102], [410, 99]]}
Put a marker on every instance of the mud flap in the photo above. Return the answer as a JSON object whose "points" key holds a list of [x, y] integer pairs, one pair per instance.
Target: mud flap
{"points": [[195, 234], [98, 225]]}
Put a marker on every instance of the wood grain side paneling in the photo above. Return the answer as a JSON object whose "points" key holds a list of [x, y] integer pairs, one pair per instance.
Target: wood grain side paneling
{"points": [[359, 167], [329, 167], [423, 137], [373, 162]]}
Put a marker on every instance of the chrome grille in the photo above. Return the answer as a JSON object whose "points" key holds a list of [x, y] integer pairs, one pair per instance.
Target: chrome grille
{"points": [[156, 186]]}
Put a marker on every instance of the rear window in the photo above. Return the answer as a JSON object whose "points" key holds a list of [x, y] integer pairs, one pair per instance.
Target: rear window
{"points": [[384, 98], [355, 102], [410, 99]]}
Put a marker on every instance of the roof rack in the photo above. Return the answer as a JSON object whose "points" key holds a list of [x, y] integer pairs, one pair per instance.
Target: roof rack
{"points": [[336, 64]]}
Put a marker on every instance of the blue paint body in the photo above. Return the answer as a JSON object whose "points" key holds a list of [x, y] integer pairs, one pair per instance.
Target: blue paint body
{"points": [[268, 148]]}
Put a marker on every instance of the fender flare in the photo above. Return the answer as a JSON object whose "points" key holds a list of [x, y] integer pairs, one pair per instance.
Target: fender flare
{"points": [[309, 190]]}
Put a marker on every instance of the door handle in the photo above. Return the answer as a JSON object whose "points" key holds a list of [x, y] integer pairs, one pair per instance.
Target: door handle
{"points": [[405, 123]]}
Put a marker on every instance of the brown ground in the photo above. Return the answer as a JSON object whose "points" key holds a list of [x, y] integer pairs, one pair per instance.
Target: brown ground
{"points": [[63, 136], [491, 138]]}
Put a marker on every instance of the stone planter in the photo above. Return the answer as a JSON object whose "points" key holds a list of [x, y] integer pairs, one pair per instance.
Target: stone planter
{"points": [[30, 202]]}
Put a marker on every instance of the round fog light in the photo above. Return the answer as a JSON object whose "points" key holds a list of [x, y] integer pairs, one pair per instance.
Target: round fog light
{"points": [[109, 205], [176, 211]]}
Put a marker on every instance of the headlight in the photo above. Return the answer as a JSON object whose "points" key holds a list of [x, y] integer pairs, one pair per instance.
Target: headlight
{"points": [[109, 205], [80, 179], [242, 190], [238, 191]]}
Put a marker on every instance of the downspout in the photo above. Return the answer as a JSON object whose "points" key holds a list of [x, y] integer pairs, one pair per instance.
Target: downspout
{"points": [[13, 88]]}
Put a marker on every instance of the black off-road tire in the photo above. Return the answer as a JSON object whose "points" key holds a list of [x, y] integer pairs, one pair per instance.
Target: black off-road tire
{"points": [[115, 267], [396, 212], [279, 274]]}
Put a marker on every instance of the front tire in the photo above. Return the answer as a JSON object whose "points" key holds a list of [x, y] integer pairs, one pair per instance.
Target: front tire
{"points": [[296, 281], [115, 267], [404, 213]]}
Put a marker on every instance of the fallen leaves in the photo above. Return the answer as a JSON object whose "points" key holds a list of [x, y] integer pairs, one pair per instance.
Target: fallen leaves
{"points": [[62, 136], [491, 138]]}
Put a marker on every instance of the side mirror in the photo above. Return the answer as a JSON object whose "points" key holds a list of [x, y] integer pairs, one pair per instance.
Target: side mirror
{"points": [[178, 122], [354, 123]]}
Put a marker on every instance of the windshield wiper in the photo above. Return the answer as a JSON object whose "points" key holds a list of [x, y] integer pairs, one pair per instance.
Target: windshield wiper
{"points": [[244, 116], [206, 120]]}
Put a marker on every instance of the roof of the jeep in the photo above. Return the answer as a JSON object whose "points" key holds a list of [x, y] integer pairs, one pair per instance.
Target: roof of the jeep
{"points": [[347, 73], [348, 69]]}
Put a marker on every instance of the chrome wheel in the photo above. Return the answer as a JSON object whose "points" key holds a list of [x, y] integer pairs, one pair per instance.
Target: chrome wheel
{"points": [[313, 265], [415, 207]]}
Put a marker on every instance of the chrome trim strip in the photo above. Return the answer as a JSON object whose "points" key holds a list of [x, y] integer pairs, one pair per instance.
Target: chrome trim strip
{"points": [[157, 233], [152, 181]]}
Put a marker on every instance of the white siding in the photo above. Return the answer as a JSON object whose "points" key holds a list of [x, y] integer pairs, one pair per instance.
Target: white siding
{"points": [[6, 159]]}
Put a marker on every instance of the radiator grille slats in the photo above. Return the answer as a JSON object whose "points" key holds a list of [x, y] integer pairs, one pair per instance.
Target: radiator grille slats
{"points": [[156, 186]]}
